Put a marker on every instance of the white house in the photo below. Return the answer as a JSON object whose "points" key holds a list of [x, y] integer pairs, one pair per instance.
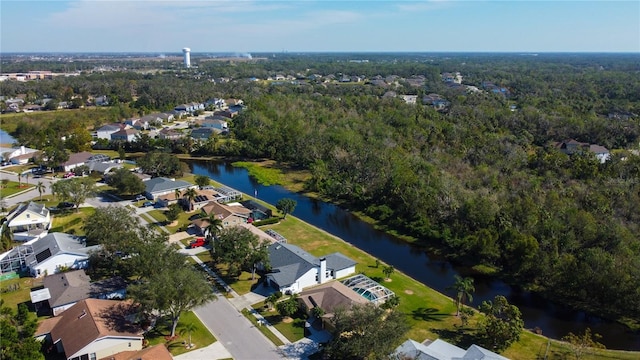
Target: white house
{"points": [[105, 131], [18, 155], [294, 269], [56, 251], [161, 185], [29, 220], [94, 329], [442, 350], [214, 124], [83, 158], [127, 135]]}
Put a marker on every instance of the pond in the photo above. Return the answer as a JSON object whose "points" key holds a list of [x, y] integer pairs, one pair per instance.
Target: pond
{"points": [[553, 319]]}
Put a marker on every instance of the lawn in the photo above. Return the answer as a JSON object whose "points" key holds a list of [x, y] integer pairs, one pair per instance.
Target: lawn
{"points": [[430, 314], [292, 328], [242, 284], [200, 336], [13, 188], [263, 329], [16, 291], [69, 221], [183, 220]]}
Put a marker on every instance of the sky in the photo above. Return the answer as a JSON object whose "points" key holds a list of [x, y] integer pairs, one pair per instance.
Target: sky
{"points": [[239, 26]]}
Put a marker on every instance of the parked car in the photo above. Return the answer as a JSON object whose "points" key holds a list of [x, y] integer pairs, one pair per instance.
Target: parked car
{"points": [[65, 205], [68, 175], [139, 198], [148, 203], [198, 242]]}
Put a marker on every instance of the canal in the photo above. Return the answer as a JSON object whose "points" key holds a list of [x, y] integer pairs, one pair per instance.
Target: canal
{"points": [[554, 320]]}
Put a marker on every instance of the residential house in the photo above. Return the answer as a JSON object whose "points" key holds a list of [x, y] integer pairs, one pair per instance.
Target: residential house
{"points": [[67, 288], [217, 124], [29, 220], [127, 135], [228, 113], [82, 158], [409, 99], [57, 251], [329, 297], [258, 211], [202, 133], [455, 78], [102, 100], [137, 123], [436, 101], [170, 134], [442, 350], [159, 186], [156, 352], [104, 167], [571, 146], [294, 269], [105, 131], [229, 215], [217, 103], [18, 155], [94, 329]]}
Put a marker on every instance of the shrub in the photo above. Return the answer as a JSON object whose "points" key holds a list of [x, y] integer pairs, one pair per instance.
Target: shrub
{"points": [[268, 221]]}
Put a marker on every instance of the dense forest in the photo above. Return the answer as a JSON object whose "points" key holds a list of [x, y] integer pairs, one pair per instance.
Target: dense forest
{"points": [[478, 183]]}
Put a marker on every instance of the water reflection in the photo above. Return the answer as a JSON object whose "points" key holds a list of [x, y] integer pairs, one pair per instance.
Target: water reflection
{"points": [[554, 320]]}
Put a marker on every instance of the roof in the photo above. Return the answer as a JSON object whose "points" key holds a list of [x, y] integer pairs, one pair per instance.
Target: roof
{"points": [[91, 319], [110, 127], [224, 211], [125, 132], [55, 243], [161, 184], [442, 350], [31, 206], [598, 149], [103, 167], [331, 296], [253, 205], [156, 352], [73, 286], [78, 158], [289, 262], [337, 261]]}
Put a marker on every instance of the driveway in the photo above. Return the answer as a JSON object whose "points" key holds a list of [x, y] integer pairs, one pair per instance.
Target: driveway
{"points": [[236, 333]]}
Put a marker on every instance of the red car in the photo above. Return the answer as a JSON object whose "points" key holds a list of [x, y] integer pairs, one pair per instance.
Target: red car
{"points": [[198, 242], [68, 175]]}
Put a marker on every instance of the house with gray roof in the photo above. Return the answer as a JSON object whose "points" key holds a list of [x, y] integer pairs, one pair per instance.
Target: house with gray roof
{"points": [[66, 289], [293, 269], [161, 186], [127, 135], [56, 251], [105, 131], [442, 350], [203, 133]]}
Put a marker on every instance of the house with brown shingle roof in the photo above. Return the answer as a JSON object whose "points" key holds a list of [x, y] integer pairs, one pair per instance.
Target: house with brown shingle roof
{"points": [[230, 215], [156, 352], [94, 329]]}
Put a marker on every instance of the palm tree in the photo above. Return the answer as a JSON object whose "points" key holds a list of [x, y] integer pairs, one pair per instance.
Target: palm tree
{"points": [[187, 328], [214, 227], [41, 188], [26, 175], [177, 193], [464, 288], [190, 194]]}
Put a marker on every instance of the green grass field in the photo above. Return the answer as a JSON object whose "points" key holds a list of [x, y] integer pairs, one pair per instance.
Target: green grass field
{"points": [[12, 188], [200, 336]]}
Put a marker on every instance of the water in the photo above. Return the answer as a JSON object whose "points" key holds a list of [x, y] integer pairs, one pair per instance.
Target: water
{"points": [[553, 319], [5, 138]]}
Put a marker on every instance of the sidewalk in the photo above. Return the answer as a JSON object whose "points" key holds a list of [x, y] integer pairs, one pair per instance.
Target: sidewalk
{"points": [[213, 351]]}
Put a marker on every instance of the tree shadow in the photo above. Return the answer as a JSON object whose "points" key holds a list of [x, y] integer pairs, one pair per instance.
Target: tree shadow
{"points": [[377, 279], [462, 337], [428, 314]]}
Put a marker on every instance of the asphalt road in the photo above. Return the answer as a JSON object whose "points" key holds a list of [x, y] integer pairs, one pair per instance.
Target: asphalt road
{"points": [[237, 333], [28, 195]]}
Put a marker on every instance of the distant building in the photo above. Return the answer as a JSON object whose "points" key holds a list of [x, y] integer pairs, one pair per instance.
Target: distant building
{"points": [[187, 57]]}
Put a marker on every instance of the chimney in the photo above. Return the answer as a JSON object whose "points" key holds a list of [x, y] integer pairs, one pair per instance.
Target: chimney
{"points": [[23, 150], [323, 270]]}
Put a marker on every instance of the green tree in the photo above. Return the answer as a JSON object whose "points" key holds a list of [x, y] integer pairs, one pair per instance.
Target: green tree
{"points": [[202, 181], [75, 190], [365, 332], [125, 182], [214, 227], [286, 206], [17, 341], [189, 195], [122, 154], [388, 270], [160, 164], [272, 299], [173, 213], [502, 324], [288, 307], [187, 328], [6, 237], [583, 344], [240, 249], [171, 292], [41, 187], [464, 289]]}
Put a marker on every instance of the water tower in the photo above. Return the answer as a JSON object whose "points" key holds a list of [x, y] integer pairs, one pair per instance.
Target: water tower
{"points": [[187, 57]]}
